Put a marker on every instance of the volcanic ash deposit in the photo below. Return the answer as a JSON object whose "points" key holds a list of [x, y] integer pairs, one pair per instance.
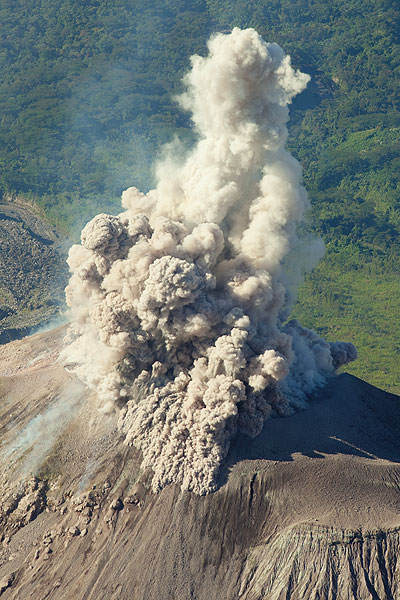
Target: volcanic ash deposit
{"points": [[179, 304]]}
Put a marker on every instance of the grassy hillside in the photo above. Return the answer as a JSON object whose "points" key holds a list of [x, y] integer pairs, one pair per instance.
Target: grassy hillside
{"points": [[86, 101]]}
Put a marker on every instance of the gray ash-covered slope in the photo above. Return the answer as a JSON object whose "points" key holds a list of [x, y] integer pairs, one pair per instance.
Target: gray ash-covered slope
{"points": [[32, 269], [308, 509]]}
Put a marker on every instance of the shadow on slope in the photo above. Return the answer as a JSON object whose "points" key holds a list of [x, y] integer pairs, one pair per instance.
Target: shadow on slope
{"points": [[348, 416]]}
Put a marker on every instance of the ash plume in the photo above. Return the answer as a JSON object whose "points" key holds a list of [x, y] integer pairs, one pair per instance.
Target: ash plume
{"points": [[179, 304]]}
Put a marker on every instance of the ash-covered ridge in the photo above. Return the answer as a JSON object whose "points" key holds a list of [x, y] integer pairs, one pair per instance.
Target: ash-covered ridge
{"points": [[179, 304]]}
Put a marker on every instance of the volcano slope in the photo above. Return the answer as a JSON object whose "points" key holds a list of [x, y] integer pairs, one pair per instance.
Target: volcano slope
{"points": [[308, 509]]}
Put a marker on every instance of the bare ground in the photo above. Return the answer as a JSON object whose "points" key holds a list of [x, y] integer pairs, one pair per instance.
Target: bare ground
{"points": [[308, 510]]}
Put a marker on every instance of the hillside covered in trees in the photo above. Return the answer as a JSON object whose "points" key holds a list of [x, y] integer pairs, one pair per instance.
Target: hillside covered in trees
{"points": [[86, 100]]}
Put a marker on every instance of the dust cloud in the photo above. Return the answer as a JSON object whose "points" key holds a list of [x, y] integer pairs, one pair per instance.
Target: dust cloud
{"points": [[179, 305]]}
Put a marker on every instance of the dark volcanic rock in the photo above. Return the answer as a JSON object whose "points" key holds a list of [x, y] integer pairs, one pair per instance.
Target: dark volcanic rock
{"points": [[33, 271], [309, 509]]}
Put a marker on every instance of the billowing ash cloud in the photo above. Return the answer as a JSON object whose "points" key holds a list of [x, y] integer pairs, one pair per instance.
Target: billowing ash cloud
{"points": [[179, 303]]}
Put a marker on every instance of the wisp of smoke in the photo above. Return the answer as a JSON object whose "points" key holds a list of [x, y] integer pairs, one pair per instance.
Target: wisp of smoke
{"points": [[179, 304], [35, 441], [55, 321]]}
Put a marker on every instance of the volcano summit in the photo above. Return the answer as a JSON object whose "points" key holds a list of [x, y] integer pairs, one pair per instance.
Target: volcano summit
{"points": [[308, 509]]}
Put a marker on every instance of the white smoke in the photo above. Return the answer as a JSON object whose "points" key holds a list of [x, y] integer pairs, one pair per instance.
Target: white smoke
{"points": [[37, 438], [179, 303]]}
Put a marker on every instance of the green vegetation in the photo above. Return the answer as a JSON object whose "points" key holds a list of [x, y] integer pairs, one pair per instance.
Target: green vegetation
{"points": [[87, 100], [87, 97], [359, 305]]}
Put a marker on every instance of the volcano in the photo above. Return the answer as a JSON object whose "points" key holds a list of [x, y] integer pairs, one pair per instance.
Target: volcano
{"points": [[308, 509], [183, 438], [179, 305]]}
